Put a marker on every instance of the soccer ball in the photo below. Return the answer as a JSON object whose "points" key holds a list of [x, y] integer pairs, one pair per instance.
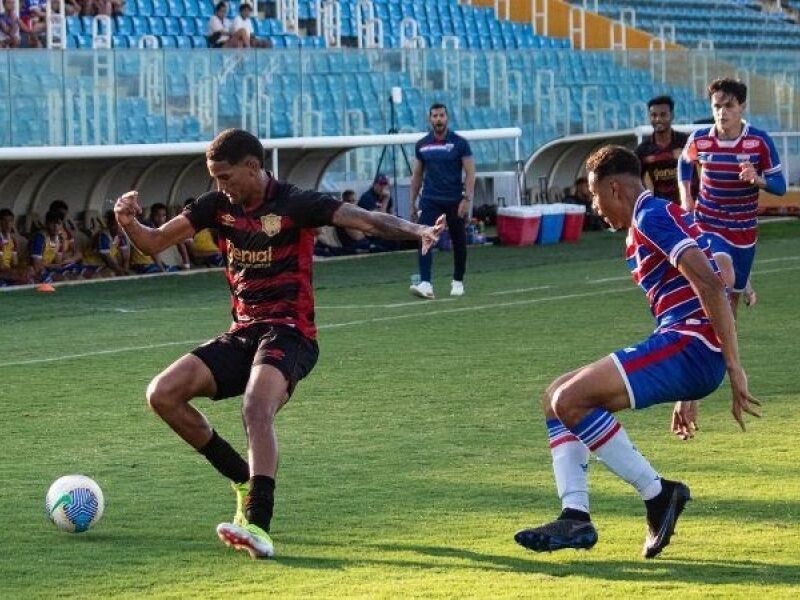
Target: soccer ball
{"points": [[74, 503]]}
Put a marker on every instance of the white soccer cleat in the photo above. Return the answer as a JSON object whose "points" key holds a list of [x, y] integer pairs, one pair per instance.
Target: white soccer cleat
{"points": [[250, 538], [457, 288], [423, 289]]}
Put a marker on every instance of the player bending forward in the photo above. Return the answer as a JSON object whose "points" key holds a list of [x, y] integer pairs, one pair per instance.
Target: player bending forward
{"points": [[684, 359], [266, 231]]}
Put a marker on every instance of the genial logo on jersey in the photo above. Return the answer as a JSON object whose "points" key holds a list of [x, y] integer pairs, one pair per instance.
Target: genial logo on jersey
{"points": [[750, 144], [271, 224]]}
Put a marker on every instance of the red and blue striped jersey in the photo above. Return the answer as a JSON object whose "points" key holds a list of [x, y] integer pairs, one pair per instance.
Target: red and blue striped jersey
{"points": [[660, 233], [727, 206]]}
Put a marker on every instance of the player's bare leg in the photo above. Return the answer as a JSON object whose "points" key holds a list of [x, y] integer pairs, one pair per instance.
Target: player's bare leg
{"points": [[267, 391], [725, 265]]}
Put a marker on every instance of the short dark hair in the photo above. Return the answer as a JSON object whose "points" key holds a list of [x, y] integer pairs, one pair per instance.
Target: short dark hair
{"points": [[53, 216], [219, 5], [436, 106], [110, 217], [662, 100], [613, 160], [5, 212], [59, 206], [234, 145], [188, 201], [157, 206], [348, 194], [732, 87], [581, 180]]}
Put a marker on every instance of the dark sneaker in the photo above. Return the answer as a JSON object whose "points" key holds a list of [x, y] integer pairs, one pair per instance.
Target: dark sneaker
{"points": [[560, 534], [662, 515]]}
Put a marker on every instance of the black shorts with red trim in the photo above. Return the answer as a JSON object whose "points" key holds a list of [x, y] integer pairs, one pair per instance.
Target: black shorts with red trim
{"points": [[232, 355]]}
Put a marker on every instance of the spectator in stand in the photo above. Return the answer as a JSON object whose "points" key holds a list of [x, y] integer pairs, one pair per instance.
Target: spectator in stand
{"points": [[219, 34], [32, 22], [48, 249], [72, 254], [376, 197], [242, 26], [581, 195], [9, 26], [202, 248], [10, 271], [110, 253], [174, 258]]}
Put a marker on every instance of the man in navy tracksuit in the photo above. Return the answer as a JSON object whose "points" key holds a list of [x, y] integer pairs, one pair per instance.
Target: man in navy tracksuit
{"points": [[441, 155]]}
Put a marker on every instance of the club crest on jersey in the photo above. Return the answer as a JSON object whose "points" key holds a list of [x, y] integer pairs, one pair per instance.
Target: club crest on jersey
{"points": [[271, 224], [227, 219], [704, 156], [703, 144]]}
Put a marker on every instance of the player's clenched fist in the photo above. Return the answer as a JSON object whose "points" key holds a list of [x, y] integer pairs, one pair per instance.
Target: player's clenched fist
{"points": [[127, 207]]}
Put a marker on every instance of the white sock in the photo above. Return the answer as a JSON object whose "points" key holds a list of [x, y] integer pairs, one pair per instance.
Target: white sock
{"points": [[570, 466], [604, 436]]}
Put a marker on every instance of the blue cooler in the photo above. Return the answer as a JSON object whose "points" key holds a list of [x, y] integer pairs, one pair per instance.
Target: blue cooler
{"points": [[552, 224]]}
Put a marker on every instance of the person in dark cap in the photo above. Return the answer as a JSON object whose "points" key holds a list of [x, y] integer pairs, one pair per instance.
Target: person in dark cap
{"points": [[376, 197]]}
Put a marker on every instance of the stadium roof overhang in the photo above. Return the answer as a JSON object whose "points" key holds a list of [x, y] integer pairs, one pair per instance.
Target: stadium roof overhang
{"points": [[88, 176]]}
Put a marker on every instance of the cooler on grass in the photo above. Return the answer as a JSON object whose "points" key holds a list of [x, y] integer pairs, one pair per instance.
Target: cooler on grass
{"points": [[518, 225], [573, 222], [552, 224]]}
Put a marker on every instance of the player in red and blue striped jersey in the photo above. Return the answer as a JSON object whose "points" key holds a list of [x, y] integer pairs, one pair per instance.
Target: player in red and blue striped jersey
{"points": [[684, 360], [736, 161]]}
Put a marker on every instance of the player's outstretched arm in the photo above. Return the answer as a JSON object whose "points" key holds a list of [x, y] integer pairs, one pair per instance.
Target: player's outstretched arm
{"points": [[694, 265], [147, 239], [387, 226]]}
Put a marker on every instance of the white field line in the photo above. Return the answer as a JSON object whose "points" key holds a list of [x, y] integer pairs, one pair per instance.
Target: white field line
{"points": [[359, 322], [34, 361], [521, 290]]}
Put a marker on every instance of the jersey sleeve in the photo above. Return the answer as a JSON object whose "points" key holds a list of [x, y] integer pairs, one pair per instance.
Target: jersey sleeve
{"points": [[309, 209], [202, 212], [687, 160], [37, 245], [769, 161], [417, 152], [104, 243], [666, 226], [466, 149]]}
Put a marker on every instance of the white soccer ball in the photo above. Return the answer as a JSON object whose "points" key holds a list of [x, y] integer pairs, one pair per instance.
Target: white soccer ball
{"points": [[74, 503]]}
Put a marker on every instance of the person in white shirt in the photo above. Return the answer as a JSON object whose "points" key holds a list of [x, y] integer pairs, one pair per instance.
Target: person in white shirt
{"points": [[219, 33], [243, 27]]}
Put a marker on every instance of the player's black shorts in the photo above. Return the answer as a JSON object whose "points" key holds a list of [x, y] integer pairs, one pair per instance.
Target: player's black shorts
{"points": [[231, 355]]}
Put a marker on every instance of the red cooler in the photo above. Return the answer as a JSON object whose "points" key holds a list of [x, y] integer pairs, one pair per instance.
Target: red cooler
{"points": [[573, 222], [518, 225]]}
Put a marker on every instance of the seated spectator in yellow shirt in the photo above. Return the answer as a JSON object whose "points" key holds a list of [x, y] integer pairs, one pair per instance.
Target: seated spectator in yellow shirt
{"points": [[47, 250], [203, 248], [110, 252], [10, 271]]}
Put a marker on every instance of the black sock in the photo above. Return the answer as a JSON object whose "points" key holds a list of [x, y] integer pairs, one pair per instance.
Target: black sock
{"points": [[574, 515], [225, 459], [260, 500]]}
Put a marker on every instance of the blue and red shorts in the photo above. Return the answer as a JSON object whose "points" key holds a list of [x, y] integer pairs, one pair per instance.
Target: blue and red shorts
{"points": [[742, 258], [683, 362]]}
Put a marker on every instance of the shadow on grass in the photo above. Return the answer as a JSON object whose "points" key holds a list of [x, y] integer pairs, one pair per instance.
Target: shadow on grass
{"points": [[665, 570]]}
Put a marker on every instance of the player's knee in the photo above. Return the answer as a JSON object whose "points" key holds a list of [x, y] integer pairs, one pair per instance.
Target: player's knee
{"points": [[161, 394], [565, 402], [726, 269], [257, 409]]}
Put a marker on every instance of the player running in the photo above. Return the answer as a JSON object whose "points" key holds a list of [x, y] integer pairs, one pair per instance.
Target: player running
{"points": [[266, 231], [684, 359], [736, 161]]}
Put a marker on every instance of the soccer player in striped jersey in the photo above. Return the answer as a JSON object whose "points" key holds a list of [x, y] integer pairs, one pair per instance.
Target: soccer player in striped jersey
{"points": [[685, 359], [736, 161], [266, 231]]}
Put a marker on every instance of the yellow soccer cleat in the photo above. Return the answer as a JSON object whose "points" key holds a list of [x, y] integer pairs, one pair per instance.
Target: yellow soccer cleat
{"points": [[250, 537], [241, 489]]}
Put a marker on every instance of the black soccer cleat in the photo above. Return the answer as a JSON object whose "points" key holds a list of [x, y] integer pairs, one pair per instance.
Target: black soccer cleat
{"points": [[560, 534], [662, 515]]}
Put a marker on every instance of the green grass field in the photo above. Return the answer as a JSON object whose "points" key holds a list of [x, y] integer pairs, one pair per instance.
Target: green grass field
{"points": [[411, 454]]}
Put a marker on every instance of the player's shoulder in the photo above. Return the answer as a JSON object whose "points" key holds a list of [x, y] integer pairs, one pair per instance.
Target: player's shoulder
{"points": [[425, 139], [755, 132], [701, 132], [211, 197], [650, 208], [680, 137]]}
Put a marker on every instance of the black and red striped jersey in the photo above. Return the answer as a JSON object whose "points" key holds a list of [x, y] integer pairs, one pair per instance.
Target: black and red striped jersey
{"points": [[661, 164], [268, 251]]}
